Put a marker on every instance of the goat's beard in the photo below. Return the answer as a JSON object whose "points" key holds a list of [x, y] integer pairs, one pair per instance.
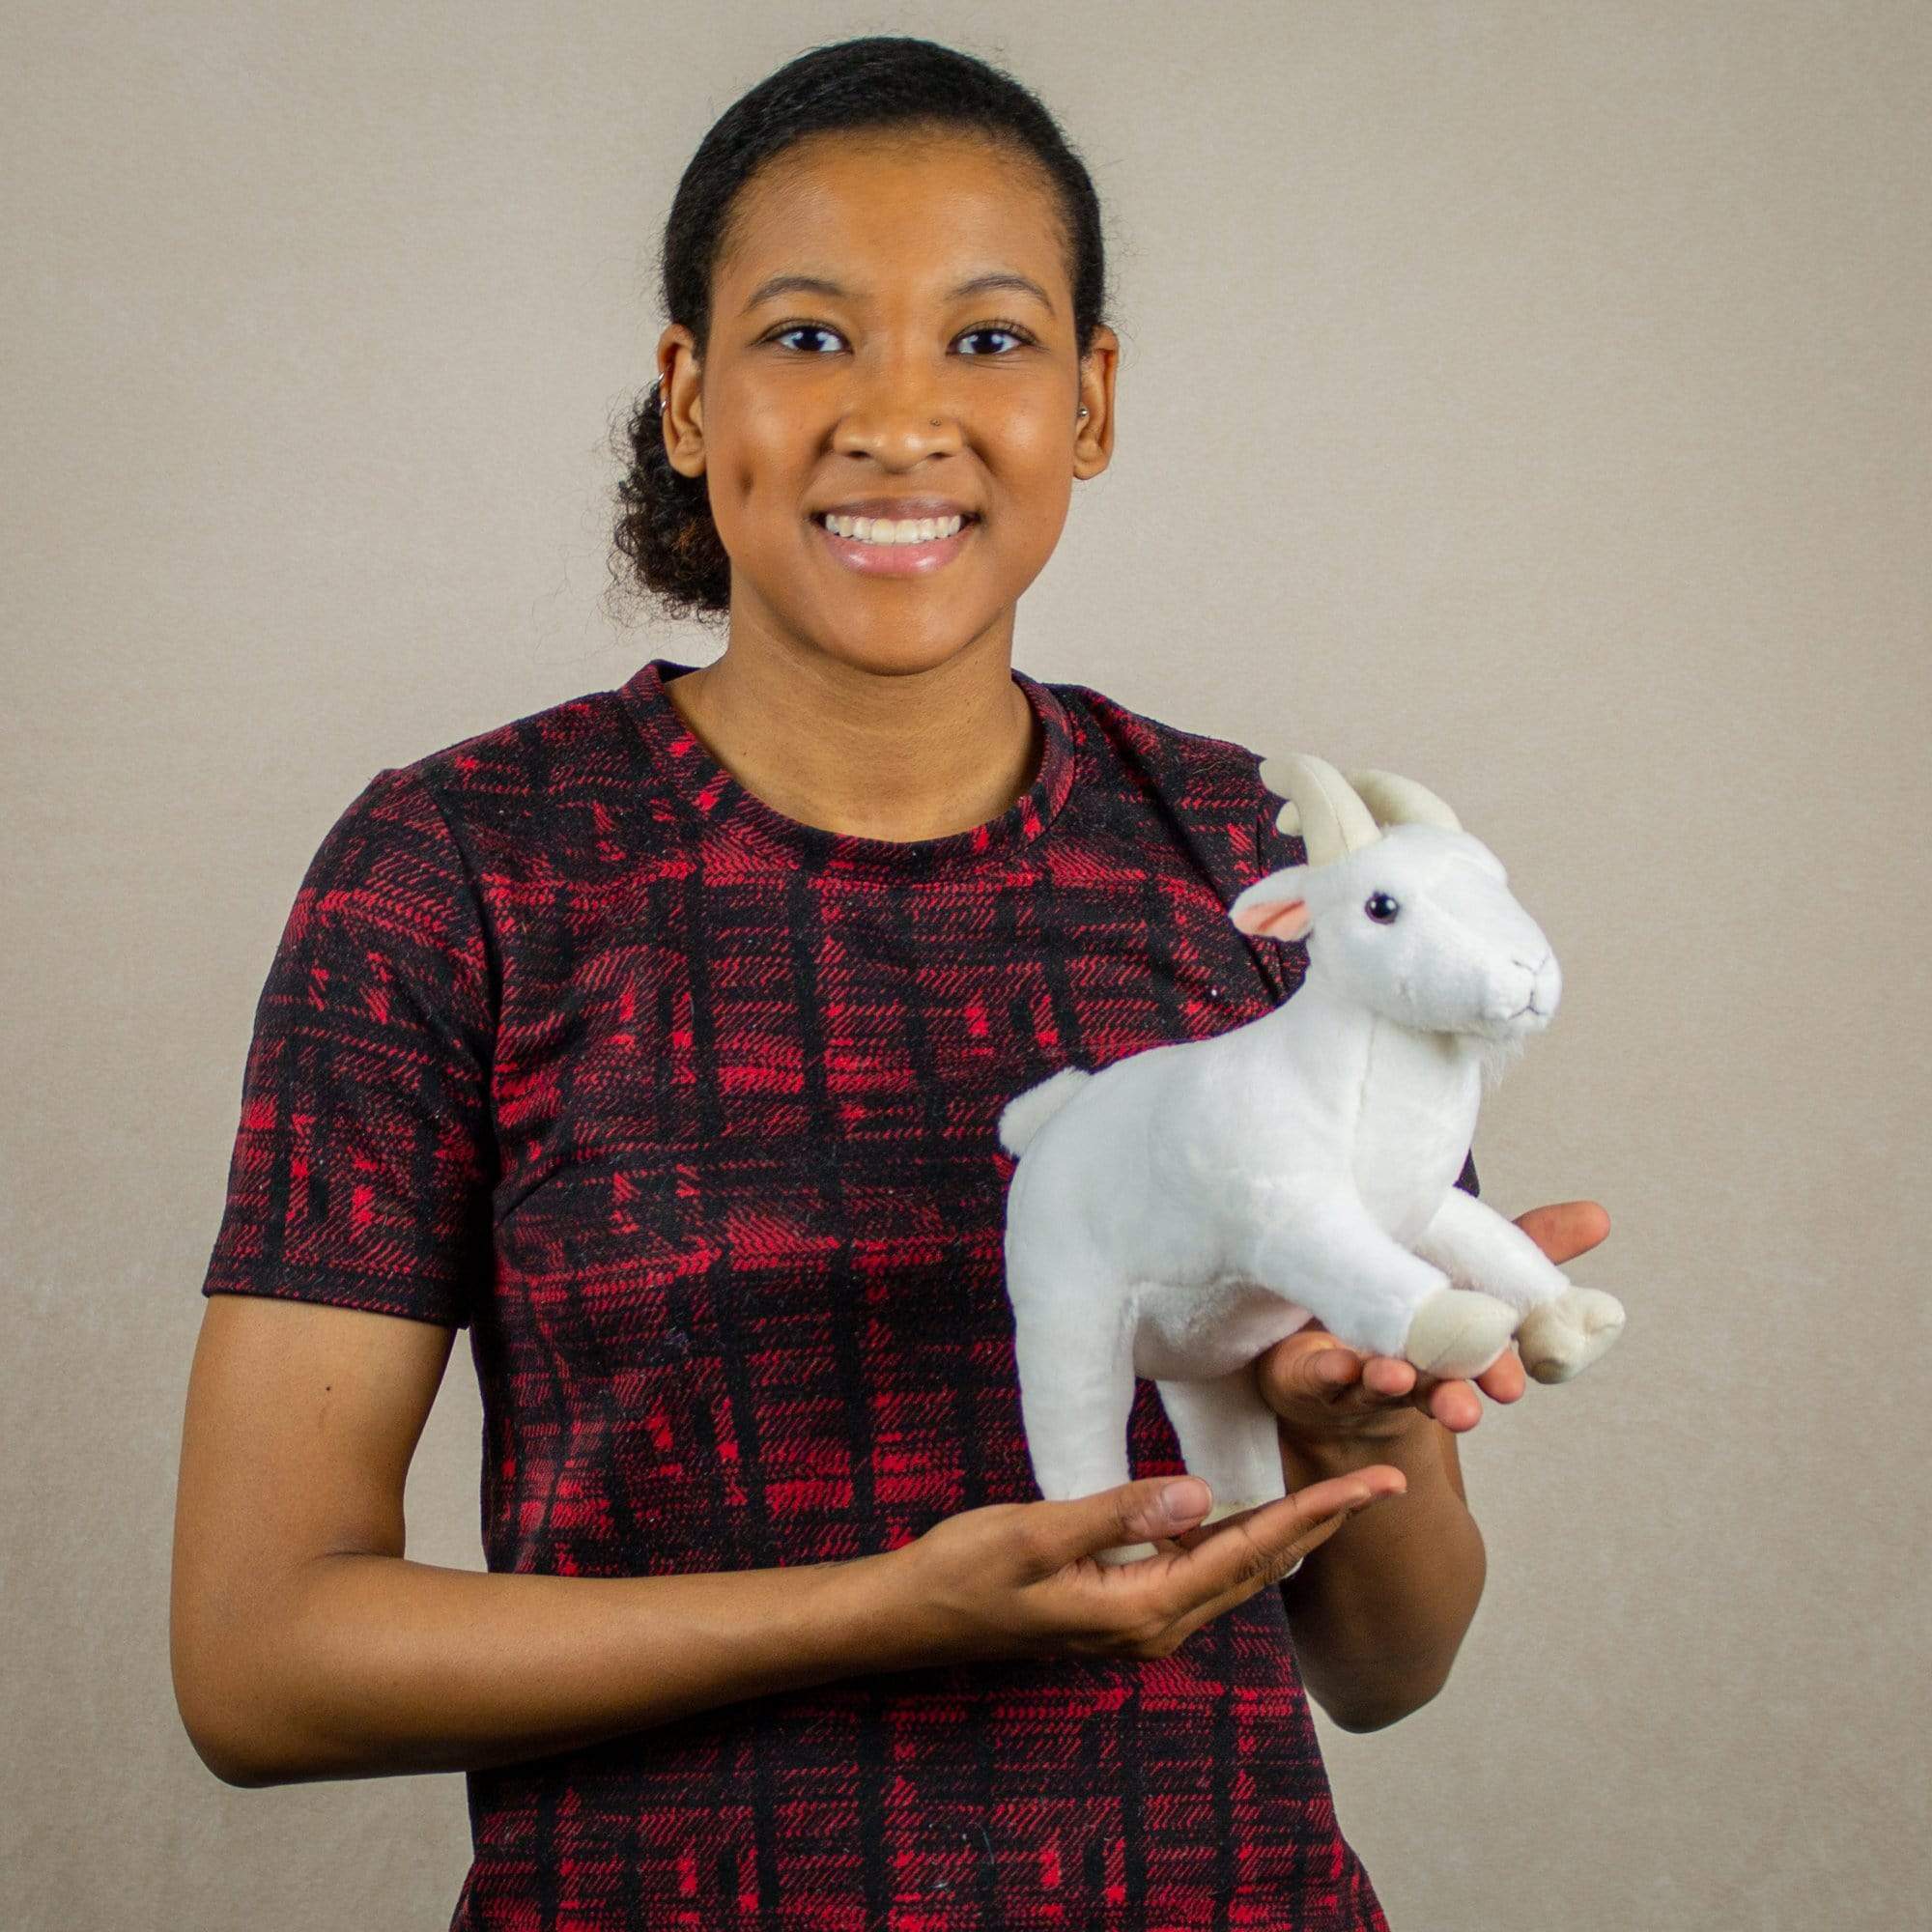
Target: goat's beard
{"points": [[1497, 1056]]}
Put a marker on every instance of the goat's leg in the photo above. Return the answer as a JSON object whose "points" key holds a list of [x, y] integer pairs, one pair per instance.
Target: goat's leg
{"points": [[1563, 1328], [1076, 1393], [1230, 1438], [1373, 1293], [1477, 1248]]}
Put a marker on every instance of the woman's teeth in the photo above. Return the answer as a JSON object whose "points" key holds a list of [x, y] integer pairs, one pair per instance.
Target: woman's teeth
{"points": [[881, 530]]}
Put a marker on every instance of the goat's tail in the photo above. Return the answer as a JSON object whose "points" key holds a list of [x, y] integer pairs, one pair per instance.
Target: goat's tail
{"points": [[1027, 1113]]}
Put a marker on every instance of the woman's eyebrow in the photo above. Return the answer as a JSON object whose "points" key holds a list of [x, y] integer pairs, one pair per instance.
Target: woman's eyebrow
{"points": [[817, 285]]}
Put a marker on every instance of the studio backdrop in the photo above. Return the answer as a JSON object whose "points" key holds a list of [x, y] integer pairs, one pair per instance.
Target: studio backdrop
{"points": [[1528, 398]]}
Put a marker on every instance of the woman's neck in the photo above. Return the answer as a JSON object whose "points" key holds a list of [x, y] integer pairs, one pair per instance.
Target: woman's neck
{"points": [[918, 755]]}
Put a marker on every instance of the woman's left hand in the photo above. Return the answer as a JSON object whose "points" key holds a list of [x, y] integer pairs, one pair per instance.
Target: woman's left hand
{"points": [[1323, 1390]]}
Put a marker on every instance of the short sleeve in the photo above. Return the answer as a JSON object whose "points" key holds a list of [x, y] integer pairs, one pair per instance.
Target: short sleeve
{"points": [[366, 1155]]}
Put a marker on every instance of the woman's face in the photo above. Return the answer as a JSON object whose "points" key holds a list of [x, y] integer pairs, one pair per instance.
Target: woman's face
{"points": [[887, 381]]}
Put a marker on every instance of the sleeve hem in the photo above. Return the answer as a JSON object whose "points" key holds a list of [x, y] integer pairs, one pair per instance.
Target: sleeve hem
{"points": [[440, 1304]]}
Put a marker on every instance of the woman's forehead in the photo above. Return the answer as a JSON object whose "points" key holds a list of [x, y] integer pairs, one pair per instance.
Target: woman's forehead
{"points": [[928, 213]]}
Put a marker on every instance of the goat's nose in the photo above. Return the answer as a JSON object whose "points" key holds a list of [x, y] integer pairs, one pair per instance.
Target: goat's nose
{"points": [[1546, 987]]}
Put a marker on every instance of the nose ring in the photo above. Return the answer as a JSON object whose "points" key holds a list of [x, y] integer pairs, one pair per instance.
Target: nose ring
{"points": [[935, 420]]}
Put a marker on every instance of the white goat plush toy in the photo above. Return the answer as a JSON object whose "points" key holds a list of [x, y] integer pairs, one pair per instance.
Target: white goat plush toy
{"points": [[1177, 1213]]}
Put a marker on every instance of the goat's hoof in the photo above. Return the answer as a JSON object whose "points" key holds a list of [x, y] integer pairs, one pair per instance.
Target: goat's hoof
{"points": [[1458, 1331], [1561, 1338], [1124, 1552]]}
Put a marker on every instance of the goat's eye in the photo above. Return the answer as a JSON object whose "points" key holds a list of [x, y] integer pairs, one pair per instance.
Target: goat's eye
{"points": [[1381, 908]]}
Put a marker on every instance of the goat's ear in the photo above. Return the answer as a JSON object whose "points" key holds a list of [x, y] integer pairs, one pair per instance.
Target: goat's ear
{"points": [[1274, 907]]}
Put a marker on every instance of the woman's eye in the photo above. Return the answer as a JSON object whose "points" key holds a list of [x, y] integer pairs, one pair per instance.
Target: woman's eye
{"points": [[804, 329], [793, 329], [994, 328]]}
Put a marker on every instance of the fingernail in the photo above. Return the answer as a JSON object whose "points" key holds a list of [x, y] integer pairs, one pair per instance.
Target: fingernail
{"points": [[1183, 1501]]}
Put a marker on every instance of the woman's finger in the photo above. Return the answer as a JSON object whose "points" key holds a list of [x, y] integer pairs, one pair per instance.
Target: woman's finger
{"points": [[1374, 1384], [1355, 1381], [1223, 1567], [1566, 1229], [1391, 1378], [1504, 1380], [1335, 1368], [1453, 1403]]}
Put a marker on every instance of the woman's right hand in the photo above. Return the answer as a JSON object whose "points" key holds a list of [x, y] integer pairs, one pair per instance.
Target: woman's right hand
{"points": [[1023, 1579]]}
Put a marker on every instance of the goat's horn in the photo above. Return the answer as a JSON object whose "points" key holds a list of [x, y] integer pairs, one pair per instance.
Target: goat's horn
{"points": [[1394, 800], [1321, 808]]}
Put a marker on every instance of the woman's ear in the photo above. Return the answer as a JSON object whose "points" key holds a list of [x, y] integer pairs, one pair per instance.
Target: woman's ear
{"points": [[680, 407], [1274, 907], [1093, 433]]}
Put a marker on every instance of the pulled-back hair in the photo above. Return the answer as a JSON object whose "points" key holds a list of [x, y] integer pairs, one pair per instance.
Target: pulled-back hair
{"points": [[881, 81]]}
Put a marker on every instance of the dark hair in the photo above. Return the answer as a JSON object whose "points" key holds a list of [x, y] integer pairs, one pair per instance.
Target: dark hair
{"points": [[877, 82]]}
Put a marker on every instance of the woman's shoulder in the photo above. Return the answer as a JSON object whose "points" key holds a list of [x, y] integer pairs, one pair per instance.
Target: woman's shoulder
{"points": [[1202, 774], [542, 797], [529, 770]]}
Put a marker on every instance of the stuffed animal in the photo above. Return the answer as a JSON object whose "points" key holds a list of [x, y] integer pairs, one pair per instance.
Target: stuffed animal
{"points": [[1177, 1213]]}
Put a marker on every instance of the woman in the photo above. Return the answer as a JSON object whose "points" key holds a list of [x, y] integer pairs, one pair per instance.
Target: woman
{"points": [[658, 1039]]}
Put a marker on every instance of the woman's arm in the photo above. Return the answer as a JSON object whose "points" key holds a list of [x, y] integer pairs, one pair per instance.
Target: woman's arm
{"points": [[306, 1646], [1379, 1610]]}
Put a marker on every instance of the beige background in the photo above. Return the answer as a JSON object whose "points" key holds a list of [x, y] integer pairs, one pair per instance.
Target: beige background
{"points": [[1531, 397]]}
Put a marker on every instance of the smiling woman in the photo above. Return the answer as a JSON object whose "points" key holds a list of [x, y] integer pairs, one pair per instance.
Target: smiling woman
{"points": [[908, 377], [903, 188], [885, 470], [661, 1037]]}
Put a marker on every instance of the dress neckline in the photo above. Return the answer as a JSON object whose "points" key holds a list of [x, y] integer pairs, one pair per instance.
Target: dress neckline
{"points": [[704, 787]]}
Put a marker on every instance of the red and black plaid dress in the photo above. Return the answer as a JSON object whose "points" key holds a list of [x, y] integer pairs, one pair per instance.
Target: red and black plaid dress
{"points": [[687, 1111]]}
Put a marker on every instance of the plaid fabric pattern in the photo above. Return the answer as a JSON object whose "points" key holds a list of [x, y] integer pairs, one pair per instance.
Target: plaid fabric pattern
{"points": [[685, 1112]]}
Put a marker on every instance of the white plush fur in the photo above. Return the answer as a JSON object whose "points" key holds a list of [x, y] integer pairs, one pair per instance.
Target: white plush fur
{"points": [[1177, 1213]]}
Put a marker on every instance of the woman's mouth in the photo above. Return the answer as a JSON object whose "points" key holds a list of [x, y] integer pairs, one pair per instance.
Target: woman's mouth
{"points": [[881, 548]]}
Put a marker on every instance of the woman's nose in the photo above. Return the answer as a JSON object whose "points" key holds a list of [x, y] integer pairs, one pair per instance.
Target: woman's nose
{"points": [[894, 417]]}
